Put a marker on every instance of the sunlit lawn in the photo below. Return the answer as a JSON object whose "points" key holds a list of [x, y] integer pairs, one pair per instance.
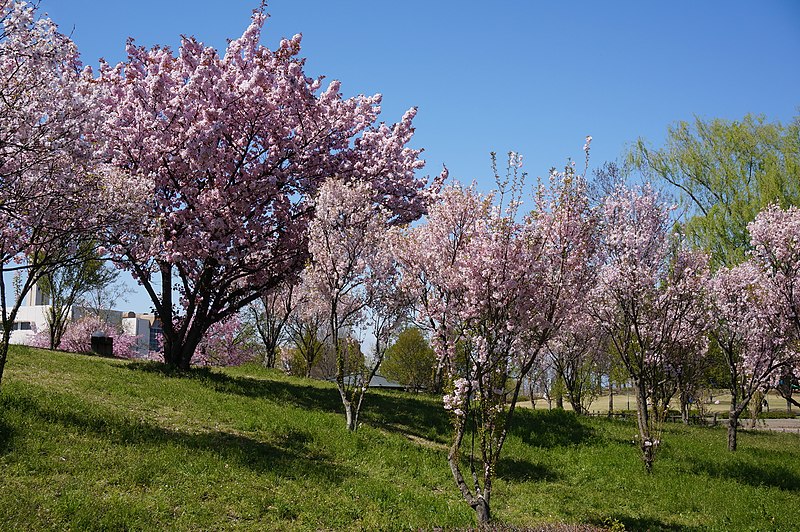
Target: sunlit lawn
{"points": [[88, 443]]}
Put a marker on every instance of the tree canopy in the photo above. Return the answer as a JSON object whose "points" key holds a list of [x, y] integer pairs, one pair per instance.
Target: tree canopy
{"points": [[726, 171]]}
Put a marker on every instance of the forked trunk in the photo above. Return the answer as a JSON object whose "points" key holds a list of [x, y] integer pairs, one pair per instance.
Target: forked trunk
{"points": [[482, 511], [351, 416], [177, 353]]}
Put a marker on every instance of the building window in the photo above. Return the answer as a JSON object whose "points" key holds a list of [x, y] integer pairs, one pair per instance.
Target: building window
{"points": [[22, 326], [155, 338]]}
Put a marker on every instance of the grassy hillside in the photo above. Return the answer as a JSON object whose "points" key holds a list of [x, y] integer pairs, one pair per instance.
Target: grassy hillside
{"points": [[89, 443]]}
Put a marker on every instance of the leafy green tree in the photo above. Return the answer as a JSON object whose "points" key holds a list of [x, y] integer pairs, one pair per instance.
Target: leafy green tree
{"points": [[410, 360], [309, 347], [726, 171], [64, 285]]}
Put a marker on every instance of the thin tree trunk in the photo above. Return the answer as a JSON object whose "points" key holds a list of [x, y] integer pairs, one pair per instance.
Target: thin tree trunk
{"points": [[685, 408], [734, 414], [8, 323], [757, 401], [351, 419], [4, 351], [610, 398], [733, 421], [647, 445]]}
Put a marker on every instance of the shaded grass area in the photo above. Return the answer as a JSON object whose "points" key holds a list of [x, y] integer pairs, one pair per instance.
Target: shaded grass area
{"points": [[89, 443]]}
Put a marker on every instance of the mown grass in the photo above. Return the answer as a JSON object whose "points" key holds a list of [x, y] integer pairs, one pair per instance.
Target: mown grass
{"points": [[96, 444]]}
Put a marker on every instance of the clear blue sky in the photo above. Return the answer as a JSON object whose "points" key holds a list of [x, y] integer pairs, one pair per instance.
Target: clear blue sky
{"points": [[530, 76]]}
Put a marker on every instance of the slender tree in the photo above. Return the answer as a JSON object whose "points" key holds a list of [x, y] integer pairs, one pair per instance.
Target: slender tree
{"points": [[270, 315], [67, 284], [649, 300], [495, 290], [576, 354], [307, 329], [752, 334], [726, 172], [353, 278], [775, 241]]}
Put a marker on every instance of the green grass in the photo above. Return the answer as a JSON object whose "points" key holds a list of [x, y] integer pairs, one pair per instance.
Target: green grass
{"points": [[95, 444]]}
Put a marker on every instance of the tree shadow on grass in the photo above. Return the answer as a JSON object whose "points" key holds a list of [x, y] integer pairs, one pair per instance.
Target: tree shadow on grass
{"points": [[290, 455], [313, 397], [524, 471], [551, 428], [765, 474], [401, 413], [6, 436], [408, 415]]}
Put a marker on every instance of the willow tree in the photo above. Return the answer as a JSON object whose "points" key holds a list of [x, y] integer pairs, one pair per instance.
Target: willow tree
{"points": [[726, 172]]}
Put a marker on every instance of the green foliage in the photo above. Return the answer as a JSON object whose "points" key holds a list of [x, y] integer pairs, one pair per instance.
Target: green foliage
{"points": [[726, 171], [65, 285], [306, 353], [88, 443], [410, 360]]}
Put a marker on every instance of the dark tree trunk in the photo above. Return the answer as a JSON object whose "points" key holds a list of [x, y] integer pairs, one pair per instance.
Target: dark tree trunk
{"points": [[4, 351], [269, 359], [685, 408], [733, 422], [178, 352], [577, 407], [734, 414], [7, 320], [610, 398]]}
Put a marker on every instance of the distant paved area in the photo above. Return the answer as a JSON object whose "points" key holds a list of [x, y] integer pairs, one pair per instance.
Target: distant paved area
{"points": [[780, 425]]}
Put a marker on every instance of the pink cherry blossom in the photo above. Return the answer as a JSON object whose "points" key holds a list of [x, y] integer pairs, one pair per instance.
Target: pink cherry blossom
{"points": [[231, 149]]}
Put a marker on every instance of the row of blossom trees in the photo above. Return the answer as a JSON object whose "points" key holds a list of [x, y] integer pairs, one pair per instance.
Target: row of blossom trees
{"points": [[498, 290], [221, 181]]}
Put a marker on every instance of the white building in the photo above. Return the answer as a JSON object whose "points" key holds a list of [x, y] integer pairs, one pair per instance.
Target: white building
{"points": [[31, 318]]}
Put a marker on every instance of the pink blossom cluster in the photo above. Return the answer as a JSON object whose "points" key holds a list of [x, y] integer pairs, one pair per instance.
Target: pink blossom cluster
{"points": [[225, 344], [45, 143], [775, 238], [456, 401], [494, 286], [756, 303], [750, 324], [230, 150], [77, 338], [651, 288]]}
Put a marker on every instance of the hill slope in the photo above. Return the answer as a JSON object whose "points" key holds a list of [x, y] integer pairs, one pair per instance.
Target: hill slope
{"points": [[90, 443]]}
